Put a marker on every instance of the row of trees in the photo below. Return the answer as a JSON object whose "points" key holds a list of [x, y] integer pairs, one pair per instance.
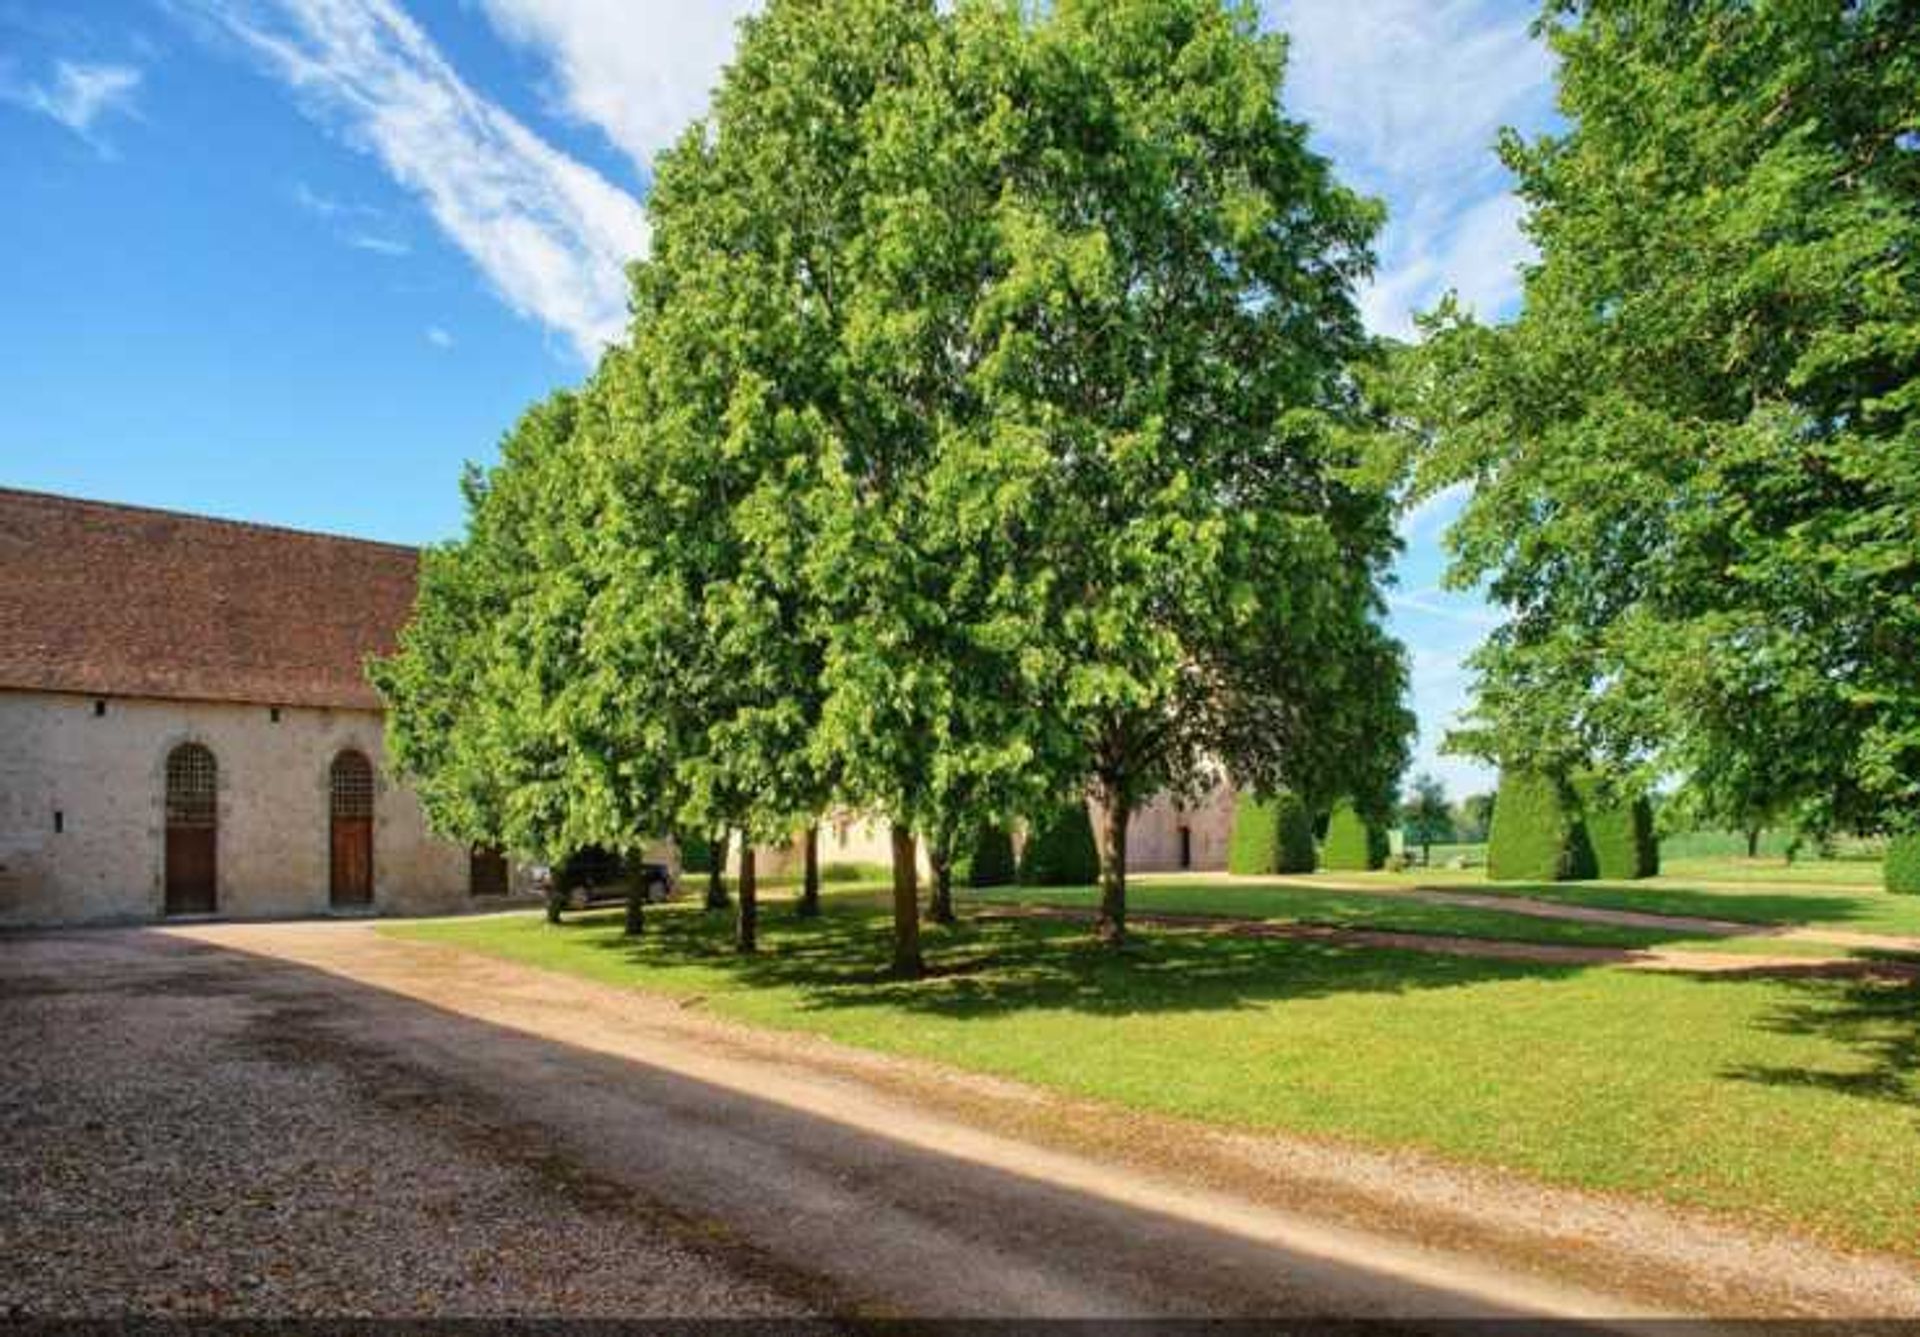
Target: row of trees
{"points": [[993, 428], [1695, 454]]}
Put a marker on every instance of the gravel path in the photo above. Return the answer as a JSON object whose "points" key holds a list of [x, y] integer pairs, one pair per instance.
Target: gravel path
{"points": [[183, 1134]]}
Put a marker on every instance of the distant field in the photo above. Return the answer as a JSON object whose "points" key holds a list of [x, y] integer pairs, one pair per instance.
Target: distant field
{"points": [[1801, 872], [1472, 856], [1772, 849]]}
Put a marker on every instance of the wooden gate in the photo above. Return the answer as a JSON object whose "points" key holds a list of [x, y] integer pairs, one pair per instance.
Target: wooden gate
{"points": [[350, 841]]}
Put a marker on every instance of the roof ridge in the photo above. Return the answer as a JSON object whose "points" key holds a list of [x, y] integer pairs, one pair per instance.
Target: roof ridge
{"points": [[256, 526]]}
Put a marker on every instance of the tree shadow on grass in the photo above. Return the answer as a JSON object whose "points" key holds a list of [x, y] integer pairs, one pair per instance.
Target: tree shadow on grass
{"points": [[1783, 909], [983, 968], [1877, 1020]]}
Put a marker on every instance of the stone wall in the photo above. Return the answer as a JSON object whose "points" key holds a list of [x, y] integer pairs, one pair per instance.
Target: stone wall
{"points": [[1153, 836], [844, 838], [104, 775]]}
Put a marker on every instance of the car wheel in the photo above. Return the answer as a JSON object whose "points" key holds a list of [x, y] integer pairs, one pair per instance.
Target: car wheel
{"points": [[657, 890]]}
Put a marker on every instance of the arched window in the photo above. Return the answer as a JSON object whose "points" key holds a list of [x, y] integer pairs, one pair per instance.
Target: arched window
{"points": [[350, 829], [193, 816]]}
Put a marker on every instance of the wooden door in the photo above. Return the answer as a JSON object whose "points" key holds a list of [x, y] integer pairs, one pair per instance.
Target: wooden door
{"points": [[350, 841], [193, 835], [487, 871]]}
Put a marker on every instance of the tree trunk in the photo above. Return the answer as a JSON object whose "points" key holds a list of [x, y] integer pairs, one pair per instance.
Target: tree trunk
{"points": [[636, 911], [717, 872], [906, 907], [1753, 842], [1111, 831], [940, 904], [746, 925], [810, 874]]}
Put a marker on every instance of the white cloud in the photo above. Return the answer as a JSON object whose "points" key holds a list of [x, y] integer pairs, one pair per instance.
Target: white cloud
{"points": [[550, 234], [1466, 610], [1433, 513], [1413, 90], [79, 95], [322, 205], [438, 337], [1409, 96], [638, 70], [1478, 254], [379, 245]]}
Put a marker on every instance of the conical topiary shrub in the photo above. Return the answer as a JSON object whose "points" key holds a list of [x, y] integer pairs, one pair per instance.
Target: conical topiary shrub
{"points": [[1060, 851], [1270, 835], [1903, 863], [1619, 843], [696, 854], [990, 862], [1353, 844], [1531, 836]]}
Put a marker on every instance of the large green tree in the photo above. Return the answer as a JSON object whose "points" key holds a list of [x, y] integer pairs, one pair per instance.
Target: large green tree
{"points": [[1696, 452], [471, 689], [1151, 315], [769, 479], [1425, 817]]}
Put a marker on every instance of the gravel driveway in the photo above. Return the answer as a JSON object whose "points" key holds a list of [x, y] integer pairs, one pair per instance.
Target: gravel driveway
{"points": [[316, 1118], [183, 1131]]}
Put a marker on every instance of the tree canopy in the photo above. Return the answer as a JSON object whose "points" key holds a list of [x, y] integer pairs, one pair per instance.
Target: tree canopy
{"points": [[1696, 452], [1161, 342], [990, 433]]}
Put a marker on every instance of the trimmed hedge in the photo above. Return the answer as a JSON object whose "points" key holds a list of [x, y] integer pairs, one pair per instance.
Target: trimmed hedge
{"points": [[1532, 833], [1546, 830], [1060, 850], [1270, 835], [1903, 864], [696, 854], [1613, 839], [991, 863], [1352, 842]]}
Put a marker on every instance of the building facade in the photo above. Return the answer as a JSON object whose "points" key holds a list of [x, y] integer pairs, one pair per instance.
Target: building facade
{"points": [[186, 727], [1167, 836]]}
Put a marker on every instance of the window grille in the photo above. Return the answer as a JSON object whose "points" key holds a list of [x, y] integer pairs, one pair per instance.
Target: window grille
{"points": [[190, 786], [352, 786]]}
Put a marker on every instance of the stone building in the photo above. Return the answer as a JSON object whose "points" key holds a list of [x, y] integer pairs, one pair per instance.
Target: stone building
{"points": [[1166, 836], [186, 727]]}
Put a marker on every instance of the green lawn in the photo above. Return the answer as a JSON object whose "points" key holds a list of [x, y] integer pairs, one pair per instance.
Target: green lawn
{"points": [[1763, 903], [1303, 900], [1298, 903], [1809, 906], [1777, 1102]]}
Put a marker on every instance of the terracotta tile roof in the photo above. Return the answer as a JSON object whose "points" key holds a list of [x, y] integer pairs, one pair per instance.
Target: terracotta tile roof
{"points": [[116, 600]]}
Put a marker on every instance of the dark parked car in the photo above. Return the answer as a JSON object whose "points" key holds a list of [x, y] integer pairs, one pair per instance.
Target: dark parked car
{"points": [[600, 877]]}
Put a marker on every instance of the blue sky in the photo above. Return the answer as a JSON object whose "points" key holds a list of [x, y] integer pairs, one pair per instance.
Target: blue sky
{"points": [[297, 260]]}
